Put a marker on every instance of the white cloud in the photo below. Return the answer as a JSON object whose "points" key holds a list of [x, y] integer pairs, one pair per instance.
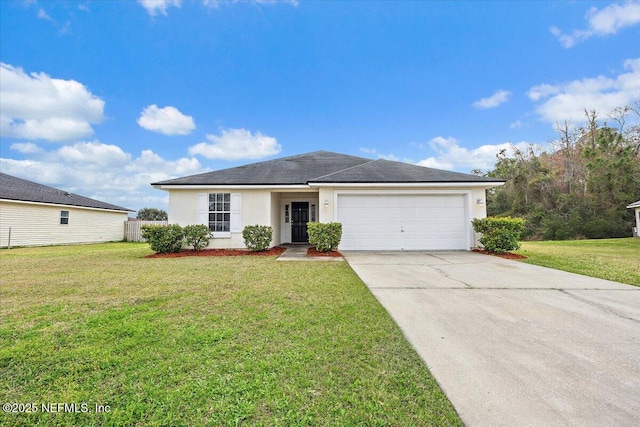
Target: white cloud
{"points": [[101, 171], [216, 3], [499, 97], [235, 144], [35, 106], [154, 7], [451, 156], [42, 14], [93, 153], [167, 120], [291, 2], [389, 156], [568, 101], [25, 147], [515, 125], [607, 21]]}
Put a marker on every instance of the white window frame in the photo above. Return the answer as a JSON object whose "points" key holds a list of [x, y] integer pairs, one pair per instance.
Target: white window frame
{"points": [[220, 206], [235, 225], [64, 217]]}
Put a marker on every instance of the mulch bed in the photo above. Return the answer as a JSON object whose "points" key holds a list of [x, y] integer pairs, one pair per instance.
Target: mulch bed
{"points": [[313, 252], [508, 255], [219, 252]]}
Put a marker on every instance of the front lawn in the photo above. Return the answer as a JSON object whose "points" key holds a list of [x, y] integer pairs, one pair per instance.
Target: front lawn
{"points": [[611, 259], [201, 341]]}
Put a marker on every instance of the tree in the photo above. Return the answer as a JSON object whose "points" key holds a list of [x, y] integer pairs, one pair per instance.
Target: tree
{"points": [[580, 187], [152, 214]]}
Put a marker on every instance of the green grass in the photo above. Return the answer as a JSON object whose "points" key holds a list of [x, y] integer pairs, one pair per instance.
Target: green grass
{"points": [[203, 341], [611, 259]]}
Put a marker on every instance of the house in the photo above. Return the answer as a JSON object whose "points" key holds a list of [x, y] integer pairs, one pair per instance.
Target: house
{"points": [[32, 214], [636, 207], [381, 204]]}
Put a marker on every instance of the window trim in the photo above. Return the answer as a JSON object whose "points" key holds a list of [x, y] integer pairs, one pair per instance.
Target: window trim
{"points": [[235, 221], [220, 199], [64, 219]]}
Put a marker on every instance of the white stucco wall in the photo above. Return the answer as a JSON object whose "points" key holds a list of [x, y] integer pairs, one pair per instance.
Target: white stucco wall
{"points": [[39, 224], [275, 219], [256, 209]]}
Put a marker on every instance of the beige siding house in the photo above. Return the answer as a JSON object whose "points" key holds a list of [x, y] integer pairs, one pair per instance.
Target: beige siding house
{"points": [[32, 214], [381, 204]]}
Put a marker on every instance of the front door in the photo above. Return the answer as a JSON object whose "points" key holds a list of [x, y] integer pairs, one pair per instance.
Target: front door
{"points": [[299, 219]]}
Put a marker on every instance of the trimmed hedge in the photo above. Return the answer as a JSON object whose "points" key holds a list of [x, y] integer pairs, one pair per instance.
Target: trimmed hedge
{"points": [[499, 234], [197, 236], [257, 237], [163, 238], [324, 236]]}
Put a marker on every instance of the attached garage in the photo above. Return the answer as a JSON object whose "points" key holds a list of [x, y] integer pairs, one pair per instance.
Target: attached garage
{"points": [[404, 221]]}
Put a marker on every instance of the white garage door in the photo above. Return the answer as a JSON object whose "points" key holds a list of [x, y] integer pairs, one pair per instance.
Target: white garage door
{"points": [[403, 222]]}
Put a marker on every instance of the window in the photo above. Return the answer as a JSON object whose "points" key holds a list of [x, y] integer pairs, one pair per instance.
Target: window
{"points": [[64, 217], [220, 212], [286, 213], [313, 213]]}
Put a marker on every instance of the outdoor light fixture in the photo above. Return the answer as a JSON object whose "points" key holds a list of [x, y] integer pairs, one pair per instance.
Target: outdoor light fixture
{"points": [[480, 201], [326, 203]]}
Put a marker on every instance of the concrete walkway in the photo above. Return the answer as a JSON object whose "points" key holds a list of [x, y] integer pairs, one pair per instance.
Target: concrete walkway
{"points": [[299, 253], [513, 344]]}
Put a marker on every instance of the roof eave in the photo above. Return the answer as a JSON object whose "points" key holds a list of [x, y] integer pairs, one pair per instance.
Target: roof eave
{"points": [[68, 205], [485, 184], [228, 186]]}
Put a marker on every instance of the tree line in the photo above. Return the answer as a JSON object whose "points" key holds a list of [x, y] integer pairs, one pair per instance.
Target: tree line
{"points": [[580, 186]]}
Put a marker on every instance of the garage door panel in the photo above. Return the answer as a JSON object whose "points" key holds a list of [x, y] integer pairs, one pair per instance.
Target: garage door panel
{"points": [[403, 222]]}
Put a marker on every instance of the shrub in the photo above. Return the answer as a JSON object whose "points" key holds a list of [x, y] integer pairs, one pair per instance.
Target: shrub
{"points": [[324, 236], [197, 236], [163, 238], [499, 235], [257, 237]]}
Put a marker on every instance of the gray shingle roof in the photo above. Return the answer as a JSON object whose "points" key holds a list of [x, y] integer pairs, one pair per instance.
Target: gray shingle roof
{"points": [[13, 188], [291, 170], [387, 171], [325, 167]]}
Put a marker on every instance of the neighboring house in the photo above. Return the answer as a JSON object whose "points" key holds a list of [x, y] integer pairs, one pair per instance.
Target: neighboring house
{"points": [[381, 204], [636, 207], [41, 215]]}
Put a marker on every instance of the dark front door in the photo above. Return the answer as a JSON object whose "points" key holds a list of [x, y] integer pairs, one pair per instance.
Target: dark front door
{"points": [[299, 219]]}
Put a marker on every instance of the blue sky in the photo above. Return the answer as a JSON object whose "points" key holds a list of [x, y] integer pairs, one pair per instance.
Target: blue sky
{"points": [[102, 98]]}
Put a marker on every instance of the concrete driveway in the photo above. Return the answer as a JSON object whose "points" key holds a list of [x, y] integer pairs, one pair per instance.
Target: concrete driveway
{"points": [[513, 344]]}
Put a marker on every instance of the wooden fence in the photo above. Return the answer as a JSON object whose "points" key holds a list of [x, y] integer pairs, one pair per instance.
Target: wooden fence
{"points": [[133, 229]]}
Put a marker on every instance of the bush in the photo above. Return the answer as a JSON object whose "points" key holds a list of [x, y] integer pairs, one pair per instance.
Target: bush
{"points": [[499, 235], [197, 236], [257, 237], [163, 238], [324, 236]]}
